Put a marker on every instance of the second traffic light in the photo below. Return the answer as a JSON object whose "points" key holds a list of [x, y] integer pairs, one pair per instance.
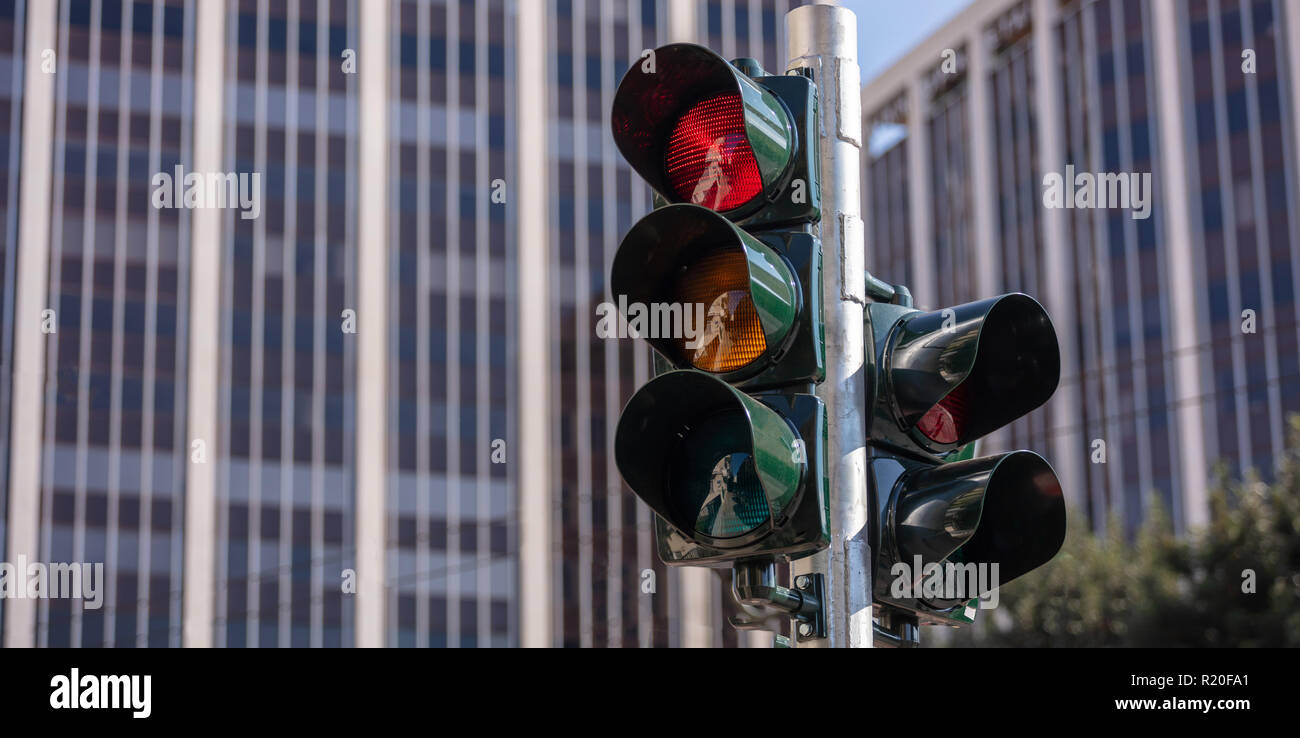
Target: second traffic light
{"points": [[942, 380]]}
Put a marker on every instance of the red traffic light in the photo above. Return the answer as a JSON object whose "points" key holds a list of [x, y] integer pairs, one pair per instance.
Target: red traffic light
{"points": [[954, 375], [944, 423], [709, 159], [702, 132]]}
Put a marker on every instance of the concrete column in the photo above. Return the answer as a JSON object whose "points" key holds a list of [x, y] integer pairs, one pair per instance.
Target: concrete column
{"points": [[31, 286], [199, 600], [925, 290], [1067, 446], [535, 500], [1172, 174], [372, 327]]}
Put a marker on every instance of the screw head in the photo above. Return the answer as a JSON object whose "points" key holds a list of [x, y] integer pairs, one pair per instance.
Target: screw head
{"points": [[801, 581], [805, 630]]}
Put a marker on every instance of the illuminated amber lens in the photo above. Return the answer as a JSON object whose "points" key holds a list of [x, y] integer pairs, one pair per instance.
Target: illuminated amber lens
{"points": [[732, 335]]}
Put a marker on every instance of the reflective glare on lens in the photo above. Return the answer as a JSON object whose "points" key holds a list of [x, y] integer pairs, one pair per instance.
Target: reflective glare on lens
{"points": [[732, 335], [943, 422], [717, 483]]}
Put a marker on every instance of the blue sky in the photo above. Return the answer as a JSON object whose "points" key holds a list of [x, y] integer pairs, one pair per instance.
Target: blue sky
{"points": [[887, 29]]}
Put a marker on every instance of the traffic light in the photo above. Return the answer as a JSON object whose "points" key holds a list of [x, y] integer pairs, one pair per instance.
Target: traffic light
{"points": [[754, 300], [721, 135], [946, 528], [727, 474], [723, 280]]}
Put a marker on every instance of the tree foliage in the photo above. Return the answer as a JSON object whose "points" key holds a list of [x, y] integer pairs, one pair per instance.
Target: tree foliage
{"points": [[1155, 589]]}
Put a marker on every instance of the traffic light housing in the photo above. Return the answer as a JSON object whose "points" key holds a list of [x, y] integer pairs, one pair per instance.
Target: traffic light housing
{"points": [[701, 131], [727, 474], [756, 298], [727, 444], [938, 382]]}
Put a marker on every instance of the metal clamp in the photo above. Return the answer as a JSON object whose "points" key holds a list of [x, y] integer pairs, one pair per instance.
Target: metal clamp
{"points": [[896, 629], [764, 603]]}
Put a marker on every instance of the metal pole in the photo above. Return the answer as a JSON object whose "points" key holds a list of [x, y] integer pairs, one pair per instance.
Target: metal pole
{"points": [[823, 40]]}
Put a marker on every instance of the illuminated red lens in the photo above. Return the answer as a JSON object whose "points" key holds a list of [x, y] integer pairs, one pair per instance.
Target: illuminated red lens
{"points": [[710, 162], [943, 422]]}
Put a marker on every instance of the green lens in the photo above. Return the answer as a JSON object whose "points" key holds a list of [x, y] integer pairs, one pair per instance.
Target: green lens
{"points": [[717, 483]]}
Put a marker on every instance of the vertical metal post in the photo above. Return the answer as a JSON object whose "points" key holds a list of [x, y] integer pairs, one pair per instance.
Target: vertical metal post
{"points": [[823, 40]]}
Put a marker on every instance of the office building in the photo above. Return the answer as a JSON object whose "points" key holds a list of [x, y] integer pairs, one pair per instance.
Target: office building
{"points": [[220, 403], [1178, 330]]}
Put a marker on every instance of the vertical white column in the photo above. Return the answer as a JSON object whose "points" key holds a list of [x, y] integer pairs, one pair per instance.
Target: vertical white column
{"points": [[988, 262], [925, 290], [698, 623], [683, 20], [205, 323], [618, 587], [535, 554], [639, 38], [988, 254], [1182, 279], [582, 324], [1067, 444], [372, 325], [30, 284]]}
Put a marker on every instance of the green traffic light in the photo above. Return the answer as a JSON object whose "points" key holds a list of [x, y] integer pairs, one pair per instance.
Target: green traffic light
{"points": [[718, 479], [715, 463], [725, 472]]}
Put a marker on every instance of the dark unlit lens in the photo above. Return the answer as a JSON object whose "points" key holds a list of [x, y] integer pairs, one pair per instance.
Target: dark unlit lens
{"points": [[717, 486]]}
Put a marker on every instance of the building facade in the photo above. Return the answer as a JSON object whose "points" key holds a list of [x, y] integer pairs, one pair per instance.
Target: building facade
{"points": [[1177, 325], [216, 402]]}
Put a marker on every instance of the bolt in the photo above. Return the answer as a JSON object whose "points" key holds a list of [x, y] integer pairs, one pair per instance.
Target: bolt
{"points": [[801, 581], [805, 630]]}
